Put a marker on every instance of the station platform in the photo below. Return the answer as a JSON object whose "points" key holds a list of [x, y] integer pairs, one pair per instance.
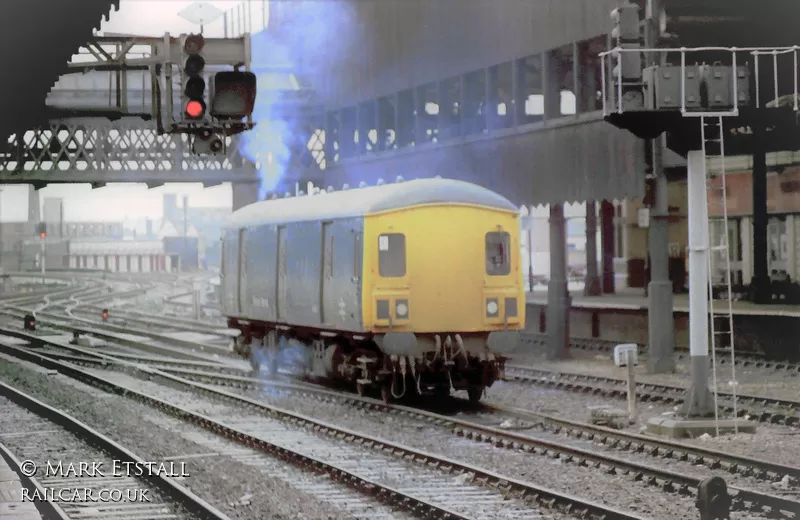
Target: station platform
{"points": [[635, 300], [11, 505], [622, 317]]}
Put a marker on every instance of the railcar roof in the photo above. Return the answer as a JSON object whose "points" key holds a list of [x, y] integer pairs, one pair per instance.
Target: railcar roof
{"points": [[358, 202]]}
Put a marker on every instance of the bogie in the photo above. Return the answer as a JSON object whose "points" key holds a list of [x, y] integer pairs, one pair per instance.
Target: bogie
{"points": [[363, 366]]}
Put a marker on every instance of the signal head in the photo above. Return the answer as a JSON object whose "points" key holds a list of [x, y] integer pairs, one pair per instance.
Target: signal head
{"points": [[234, 94]]}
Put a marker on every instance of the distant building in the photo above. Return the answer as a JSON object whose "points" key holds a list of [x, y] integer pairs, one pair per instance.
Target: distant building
{"points": [[203, 223], [13, 234], [110, 230], [123, 256]]}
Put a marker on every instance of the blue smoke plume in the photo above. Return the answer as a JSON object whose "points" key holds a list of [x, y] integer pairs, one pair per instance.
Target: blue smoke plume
{"points": [[308, 38]]}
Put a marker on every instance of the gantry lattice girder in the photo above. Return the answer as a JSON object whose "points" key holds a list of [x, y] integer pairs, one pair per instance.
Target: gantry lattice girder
{"points": [[127, 150]]}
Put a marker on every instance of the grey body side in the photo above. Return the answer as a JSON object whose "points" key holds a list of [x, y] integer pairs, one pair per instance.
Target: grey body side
{"points": [[303, 274]]}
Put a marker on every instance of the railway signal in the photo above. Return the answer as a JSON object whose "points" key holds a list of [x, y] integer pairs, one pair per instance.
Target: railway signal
{"points": [[195, 87], [233, 94], [30, 322], [41, 229], [105, 314], [628, 66]]}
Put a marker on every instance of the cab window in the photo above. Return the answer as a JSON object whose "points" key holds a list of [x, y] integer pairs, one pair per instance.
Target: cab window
{"points": [[392, 255], [498, 261]]}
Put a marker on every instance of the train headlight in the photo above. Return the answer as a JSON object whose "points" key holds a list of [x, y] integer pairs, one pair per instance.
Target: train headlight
{"points": [[492, 307], [401, 309]]}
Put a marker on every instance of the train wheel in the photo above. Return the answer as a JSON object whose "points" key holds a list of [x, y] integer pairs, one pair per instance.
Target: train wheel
{"points": [[475, 393]]}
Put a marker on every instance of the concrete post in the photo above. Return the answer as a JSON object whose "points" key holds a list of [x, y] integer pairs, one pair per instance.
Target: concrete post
{"points": [[244, 193], [592, 285], [558, 299], [698, 402], [660, 321], [607, 245]]}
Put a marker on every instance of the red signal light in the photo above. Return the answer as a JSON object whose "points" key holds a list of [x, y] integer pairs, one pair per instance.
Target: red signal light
{"points": [[195, 109], [42, 235]]}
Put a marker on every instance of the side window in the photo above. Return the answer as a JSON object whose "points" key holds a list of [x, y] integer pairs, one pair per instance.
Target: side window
{"points": [[498, 261], [392, 255]]}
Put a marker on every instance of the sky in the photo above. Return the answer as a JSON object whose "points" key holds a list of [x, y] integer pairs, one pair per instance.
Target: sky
{"points": [[120, 201]]}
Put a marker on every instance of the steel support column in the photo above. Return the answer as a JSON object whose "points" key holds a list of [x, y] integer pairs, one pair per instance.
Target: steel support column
{"points": [[698, 402], [244, 193], [760, 290], [660, 322], [558, 299], [607, 245], [592, 286]]}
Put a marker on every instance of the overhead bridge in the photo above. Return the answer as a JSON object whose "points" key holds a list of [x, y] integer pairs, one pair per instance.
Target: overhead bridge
{"points": [[100, 151]]}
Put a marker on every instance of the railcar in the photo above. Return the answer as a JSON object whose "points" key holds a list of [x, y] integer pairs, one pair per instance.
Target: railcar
{"points": [[403, 287]]}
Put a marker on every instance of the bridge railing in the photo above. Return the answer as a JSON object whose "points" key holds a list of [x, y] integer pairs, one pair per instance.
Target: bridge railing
{"points": [[249, 16], [734, 74]]}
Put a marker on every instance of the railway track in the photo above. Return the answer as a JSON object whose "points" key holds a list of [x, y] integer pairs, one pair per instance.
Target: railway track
{"points": [[743, 359], [129, 319], [210, 323], [579, 451], [276, 431], [29, 425], [122, 335], [759, 408], [762, 409], [663, 479]]}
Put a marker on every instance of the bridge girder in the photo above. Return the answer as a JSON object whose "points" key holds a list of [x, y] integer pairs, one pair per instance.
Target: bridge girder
{"points": [[100, 151]]}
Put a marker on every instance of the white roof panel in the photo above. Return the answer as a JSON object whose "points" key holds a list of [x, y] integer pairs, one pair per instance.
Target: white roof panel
{"points": [[357, 202]]}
